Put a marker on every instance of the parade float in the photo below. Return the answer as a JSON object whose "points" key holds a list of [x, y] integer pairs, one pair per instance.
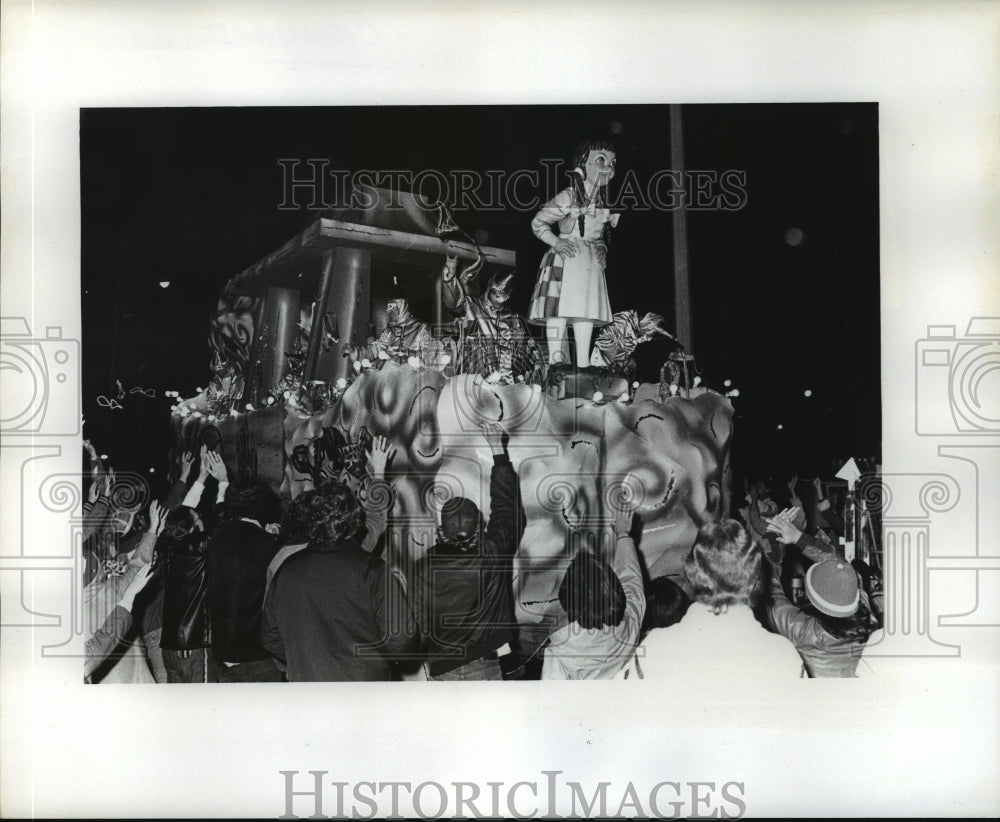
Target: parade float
{"points": [[366, 323]]}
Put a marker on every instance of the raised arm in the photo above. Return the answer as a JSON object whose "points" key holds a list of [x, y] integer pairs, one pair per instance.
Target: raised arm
{"points": [[217, 470], [835, 523], [178, 490], [501, 532], [382, 342], [786, 531], [626, 567], [453, 291], [193, 496], [785, 617], [377, 495], [113, 631], [97, 509], [144, 550]]}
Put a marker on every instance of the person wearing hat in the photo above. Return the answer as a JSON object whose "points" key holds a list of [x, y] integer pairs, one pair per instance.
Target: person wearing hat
{"points": [[831, 631], [460, 590]]}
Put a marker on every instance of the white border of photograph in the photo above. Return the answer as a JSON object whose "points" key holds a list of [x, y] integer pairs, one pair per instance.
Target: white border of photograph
{"points": [[921, 738]]}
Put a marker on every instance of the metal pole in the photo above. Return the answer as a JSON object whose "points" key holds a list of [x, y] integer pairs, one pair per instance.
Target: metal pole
{"points": [[319, 310], [682, 285]]}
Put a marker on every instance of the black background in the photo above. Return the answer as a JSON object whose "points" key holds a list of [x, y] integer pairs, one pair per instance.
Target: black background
{"points": [[191, 196]]}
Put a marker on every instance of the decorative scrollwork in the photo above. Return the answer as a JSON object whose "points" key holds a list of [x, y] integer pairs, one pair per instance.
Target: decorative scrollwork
{"points": [[939, 495], [875, 494], [377, 495], [61, 493], [626, 494], [439, 490], [558, 493], [130, 491]]}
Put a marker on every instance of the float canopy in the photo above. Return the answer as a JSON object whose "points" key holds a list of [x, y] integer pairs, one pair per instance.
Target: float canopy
{"points": [[396, 227]]}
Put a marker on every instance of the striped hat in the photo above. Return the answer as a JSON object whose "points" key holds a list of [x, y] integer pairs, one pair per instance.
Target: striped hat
{"points": [[832, 586]]}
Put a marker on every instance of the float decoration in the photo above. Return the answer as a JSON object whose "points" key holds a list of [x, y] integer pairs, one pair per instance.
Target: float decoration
{"points": [[309, 412]]}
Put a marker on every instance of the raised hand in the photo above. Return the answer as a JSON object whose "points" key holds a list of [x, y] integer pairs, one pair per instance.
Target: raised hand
{"points": [[95, 472], [622, 524], [216, 467], [157, 518], [379, 456], [818, 485], [138, 582], [187, 461], [203, 471], [493, 432], [781, 524]]}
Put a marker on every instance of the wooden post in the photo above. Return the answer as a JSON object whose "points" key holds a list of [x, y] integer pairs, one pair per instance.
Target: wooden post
{"points": [[682, 284]]}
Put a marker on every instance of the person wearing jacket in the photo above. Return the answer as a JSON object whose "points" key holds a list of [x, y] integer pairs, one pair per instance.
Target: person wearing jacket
{"points": [[147, 612], [111, 656], [605, 607], [830, 633], [301, 522], [182, 549], [461, 589], [239, 552], [335, 612]]}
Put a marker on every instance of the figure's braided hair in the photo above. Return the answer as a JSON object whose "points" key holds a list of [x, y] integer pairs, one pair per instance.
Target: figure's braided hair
{"points": [[580, 155]]}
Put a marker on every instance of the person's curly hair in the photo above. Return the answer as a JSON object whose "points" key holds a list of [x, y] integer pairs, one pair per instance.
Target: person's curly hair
{"points": [[336, 514], [724, 566], [301, 517], [254, 499]]}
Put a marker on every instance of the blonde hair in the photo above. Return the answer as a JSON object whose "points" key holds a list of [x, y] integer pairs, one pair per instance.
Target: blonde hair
{"points": [[724, 566]]}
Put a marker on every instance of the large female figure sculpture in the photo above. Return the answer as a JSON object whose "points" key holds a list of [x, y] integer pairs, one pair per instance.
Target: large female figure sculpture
{"points": [[571, 287]]}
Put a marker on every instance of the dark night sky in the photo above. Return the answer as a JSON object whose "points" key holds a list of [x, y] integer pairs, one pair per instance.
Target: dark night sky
{"points": [[191, 196]]}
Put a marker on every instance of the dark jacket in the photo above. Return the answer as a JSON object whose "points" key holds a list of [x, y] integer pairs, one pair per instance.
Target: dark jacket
{"points": [[238, 556], [148, 610], [185, 595], [335, 613], [463, 599]]}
